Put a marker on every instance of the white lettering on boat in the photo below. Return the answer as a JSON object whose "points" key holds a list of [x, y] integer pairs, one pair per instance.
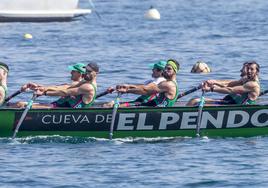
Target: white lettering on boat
{"points": [[109, 118], [44, 119], [255, 118], [141, 123], [162, 121], [67, 119], [102, 119], [216, 122], [99, 118], [234, 115], [64, 119], [168, 118], [125, 119], [189, 120], [76, 119], [85, 119]]}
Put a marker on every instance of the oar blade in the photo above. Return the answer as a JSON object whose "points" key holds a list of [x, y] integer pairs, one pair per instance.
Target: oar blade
{"points": [[28, 107], [200, 112], [116, 106]]}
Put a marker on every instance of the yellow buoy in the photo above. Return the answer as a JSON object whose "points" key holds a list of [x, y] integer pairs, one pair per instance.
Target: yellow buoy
{"points": [[152, 14], [28, 36]]}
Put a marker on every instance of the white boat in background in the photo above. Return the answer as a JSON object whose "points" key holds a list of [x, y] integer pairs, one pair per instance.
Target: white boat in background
{"points": [[40, 10]]}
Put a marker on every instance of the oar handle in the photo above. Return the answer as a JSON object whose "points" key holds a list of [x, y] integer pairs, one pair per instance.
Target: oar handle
{"points": [[189, 91], [13, 95], [104, 93]]}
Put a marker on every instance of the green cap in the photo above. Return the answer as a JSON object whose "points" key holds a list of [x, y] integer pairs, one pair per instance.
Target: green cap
{"points": [[79, 67], [159, 65]]}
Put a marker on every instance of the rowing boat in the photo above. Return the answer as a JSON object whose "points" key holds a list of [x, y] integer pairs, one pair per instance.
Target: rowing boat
{"points": [[223, 121]]}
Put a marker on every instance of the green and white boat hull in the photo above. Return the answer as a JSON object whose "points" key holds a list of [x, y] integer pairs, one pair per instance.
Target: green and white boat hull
{"points": [[217, 121]]}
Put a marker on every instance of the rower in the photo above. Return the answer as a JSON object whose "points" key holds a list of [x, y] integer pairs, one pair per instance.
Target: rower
{"points": [[166, 92], [77, 73], [157, 77], [3, 82], [243, 75], [83, 93], [243, 91]]}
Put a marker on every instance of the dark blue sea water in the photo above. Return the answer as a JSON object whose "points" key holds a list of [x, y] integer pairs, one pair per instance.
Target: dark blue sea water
{"points": [[123, 43]]}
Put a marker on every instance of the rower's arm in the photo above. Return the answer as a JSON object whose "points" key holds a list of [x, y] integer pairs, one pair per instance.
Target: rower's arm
{"points": [[223, 83], [235, 83], [54, 88], [143, 90], [70, 91], [61, 87], [233, 90], [63, 92]]}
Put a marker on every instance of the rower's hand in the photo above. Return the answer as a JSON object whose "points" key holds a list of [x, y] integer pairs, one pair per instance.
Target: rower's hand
{"points": [[206, 87], [24, 88], [39, 92], [43, 89], [210, 82], [122, 88], [110, 89], [30, 85]]}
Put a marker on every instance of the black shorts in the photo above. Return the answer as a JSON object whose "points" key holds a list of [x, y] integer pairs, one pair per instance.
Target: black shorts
{"points": [[61, 105], [227, 100]]}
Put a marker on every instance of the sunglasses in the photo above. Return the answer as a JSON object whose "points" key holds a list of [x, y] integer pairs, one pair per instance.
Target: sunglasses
{"points": [[168, 68], [157, 69]]}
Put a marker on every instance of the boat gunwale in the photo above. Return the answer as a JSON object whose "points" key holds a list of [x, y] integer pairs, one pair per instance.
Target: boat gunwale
{"points": [[149, 109]]}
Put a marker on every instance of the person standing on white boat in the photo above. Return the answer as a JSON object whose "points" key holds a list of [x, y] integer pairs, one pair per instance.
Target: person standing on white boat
{"points": [[166, 92], [243, 91], [3, 82]]}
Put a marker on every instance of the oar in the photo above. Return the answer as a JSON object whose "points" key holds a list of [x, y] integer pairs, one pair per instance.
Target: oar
{"points": [[189, 91], [13, 95], [116, 105], [200, 110], [104, 93], [263, 92], [28, 107]]}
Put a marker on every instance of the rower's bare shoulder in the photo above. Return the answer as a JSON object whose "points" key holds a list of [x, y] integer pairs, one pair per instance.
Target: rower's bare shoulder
{"points": [[86, 87], [166, 83], [251, 84]]}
